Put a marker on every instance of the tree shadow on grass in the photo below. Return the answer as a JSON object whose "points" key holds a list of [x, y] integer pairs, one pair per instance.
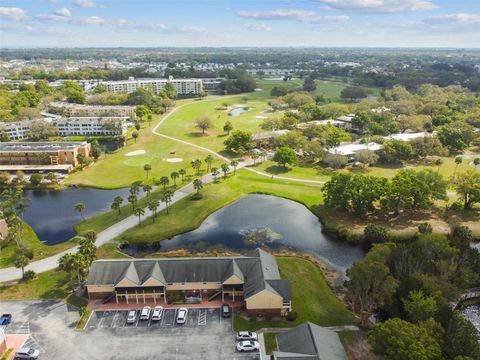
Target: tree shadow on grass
{"points": [[196, 134], [277, 170]]}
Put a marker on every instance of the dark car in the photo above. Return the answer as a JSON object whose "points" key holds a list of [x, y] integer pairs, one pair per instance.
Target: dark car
{"points": [[5, 319], [225, 311]]}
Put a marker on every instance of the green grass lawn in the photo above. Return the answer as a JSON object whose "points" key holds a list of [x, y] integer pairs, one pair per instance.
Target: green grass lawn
{"points": [[312, 298], [270, 340], [215, 196], [118, 170], [53, 284], [31, 241]]}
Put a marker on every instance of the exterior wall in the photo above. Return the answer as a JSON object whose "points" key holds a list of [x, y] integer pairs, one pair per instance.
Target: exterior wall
{"points": [[233, 280], [193, 286], [98, 295], [263, 312], [264, 300], [92, 289], [152, 282]]}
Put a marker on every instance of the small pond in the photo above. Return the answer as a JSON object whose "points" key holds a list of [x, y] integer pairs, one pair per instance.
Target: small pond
{"points": [[239, 110], [51, 213], [261, 220], [472, 313]]}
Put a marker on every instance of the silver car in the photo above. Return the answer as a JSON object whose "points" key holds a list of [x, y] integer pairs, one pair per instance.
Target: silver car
{"points": [[157, 313], [182, 316], [131, 317], [145, 315], [27, 353]]}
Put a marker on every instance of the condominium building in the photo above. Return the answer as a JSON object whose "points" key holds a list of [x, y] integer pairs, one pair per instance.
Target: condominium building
{"points": [[91, 126], [183, 87], [48, 155], [69, 109], [253, 279], [212, 85], [16, 130]]}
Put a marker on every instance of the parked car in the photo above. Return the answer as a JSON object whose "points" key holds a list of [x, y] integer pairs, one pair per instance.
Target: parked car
{"points": [[248, 345], [5, 319], [131, 317], [145, 315], [27, 353], [246, 335], [182, 315], [157, 313], [225, 311]]}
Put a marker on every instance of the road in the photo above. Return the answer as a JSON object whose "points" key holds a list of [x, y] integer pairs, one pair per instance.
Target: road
{"points": [[110, 233]]}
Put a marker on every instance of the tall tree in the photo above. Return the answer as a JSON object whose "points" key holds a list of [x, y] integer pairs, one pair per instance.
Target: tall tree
{"points": [[197, 185], [147, 168], [138, 211], [164, 181], [234, 164], [80, 208], [174, 176]]}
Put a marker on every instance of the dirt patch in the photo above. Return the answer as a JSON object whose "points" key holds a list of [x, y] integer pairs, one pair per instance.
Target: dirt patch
{"points": [[135, 153]]}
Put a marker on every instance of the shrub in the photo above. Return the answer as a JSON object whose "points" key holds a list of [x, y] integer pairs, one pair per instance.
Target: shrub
{"points": [[29, 275], [374, 233], [196, 196], [425, 228], [83, 311], [291, 316]]}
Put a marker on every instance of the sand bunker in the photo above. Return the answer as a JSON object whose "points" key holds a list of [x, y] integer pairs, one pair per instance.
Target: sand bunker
{"points": [[173, 160], [261, 117], [136, 152]]}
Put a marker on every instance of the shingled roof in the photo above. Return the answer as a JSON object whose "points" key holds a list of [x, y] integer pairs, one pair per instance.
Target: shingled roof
{"points": [[258, 270], [309, 342]]}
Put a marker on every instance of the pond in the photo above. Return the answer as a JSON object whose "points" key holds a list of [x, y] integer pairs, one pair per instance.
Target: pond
{"points": [[472, 313], [239, 110], [51, 213], [260, 220]]}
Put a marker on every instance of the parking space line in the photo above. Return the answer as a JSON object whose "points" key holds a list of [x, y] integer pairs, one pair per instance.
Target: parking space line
{"points": [[202, 317]]}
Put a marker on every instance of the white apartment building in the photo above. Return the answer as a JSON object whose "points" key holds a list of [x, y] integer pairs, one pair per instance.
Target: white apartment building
{"points": [[91, 126], [82, 126], [183, 86], [80, 110], [16, 130]]}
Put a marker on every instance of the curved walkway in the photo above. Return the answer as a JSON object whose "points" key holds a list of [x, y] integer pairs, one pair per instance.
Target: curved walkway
{"points": [[103, 237]]}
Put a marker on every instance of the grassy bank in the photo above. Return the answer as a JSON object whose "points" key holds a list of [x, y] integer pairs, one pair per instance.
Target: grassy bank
{"points": [[215, 196], [312, 298], [31, 241]]}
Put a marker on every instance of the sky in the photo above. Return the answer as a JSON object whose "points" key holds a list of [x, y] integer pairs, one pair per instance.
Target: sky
{"points": [[232, 23]]}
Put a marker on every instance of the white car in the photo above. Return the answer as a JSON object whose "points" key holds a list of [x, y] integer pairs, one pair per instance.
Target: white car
{"points": [[145, 315], [182, 315], [27, 353], [246, 335], [157, 313], [131, 317], [248, 345]]}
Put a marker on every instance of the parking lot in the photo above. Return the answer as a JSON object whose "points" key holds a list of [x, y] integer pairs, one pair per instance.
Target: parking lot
{"points": [[51, 329], [118, 319]]}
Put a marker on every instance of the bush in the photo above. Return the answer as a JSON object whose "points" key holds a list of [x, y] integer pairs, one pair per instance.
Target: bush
{"points": [[196, 196], [83, 311], [29, 275], [374, 233], [425, 228], [268, 317], [291, 316]]}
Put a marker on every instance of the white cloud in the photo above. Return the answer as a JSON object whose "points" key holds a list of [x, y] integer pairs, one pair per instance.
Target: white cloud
{"points": [[55, 1], [309, 17], [87, 20], [257, 27], [385, 6], [86, 4], [12, 13], [193, 29], [458, 18], [280, 14], [63, 12]]}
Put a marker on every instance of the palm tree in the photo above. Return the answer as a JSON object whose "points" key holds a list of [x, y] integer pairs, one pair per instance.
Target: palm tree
{"points": [[51, 177], [80, 208], [147, 168], [87, 247], [255, 156], [167, 199], [153, 206], [182, 173], [135, 188], [174, 176], [116, 204], [214, 173], [234, 164], [458, 161], [65, 263], [135, 136], [148, 189], [139, 212], [263, 155], [132, 199], [197, 184], [438, 162], [20, 261], [164, 181], [225, 169], [208, 161]]}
